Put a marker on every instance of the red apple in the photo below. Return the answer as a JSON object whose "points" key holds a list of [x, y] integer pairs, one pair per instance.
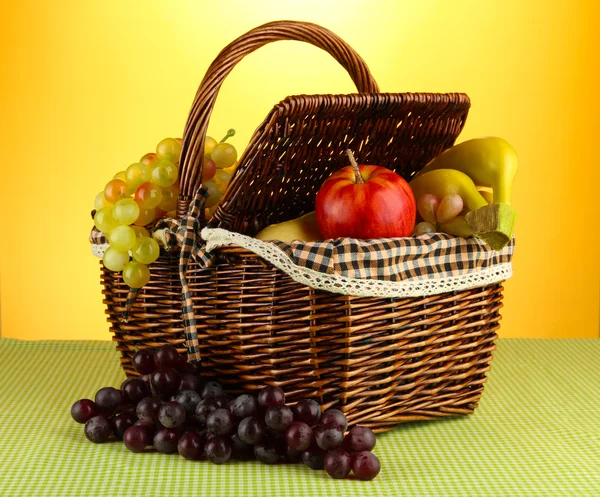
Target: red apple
{"points": [[365, 202]]}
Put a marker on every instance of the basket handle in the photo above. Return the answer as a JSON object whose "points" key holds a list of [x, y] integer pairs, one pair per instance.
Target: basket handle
{"points": [[196, 127]]}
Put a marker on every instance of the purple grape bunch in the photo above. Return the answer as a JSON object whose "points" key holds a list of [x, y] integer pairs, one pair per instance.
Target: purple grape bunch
{"points": [[171, 409]]}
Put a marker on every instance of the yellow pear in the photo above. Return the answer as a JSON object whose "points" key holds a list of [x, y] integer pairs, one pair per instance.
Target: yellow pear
{"points": [[303, 228]]}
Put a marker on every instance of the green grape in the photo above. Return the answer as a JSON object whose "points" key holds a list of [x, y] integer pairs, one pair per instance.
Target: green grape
{"points": [[423, 228], [209, 145], [169, 149], [120, 175], [169, 198], [148, 195], [122, 238], [149, 159], [136, 174], [146, 250], [126, 211], [115, 190], [427, 205], [450, 207], [146, 216], [100, 201], [115, 260], [214, 194], [164, 173], [224, 155], [136, 274], [140, 231], [104, 220], [221, 179]]}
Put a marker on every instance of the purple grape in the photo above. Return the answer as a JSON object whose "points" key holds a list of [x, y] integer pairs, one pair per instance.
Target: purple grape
{"points": [[108, 399], [136, 438], [191, 446], [338, 463], [165, 381], [299, 436], [279, 418], [83, 410], [328, 436], [212, 389], [147, 410], [121, 422], [189, 400], [165, 440], [293, 456], [171, 414], [166, 357], [271, 396], [366, 465], [143, 362], [218, 449], [98, 429], [244, 405], [335, 417], [241, 450], [267, 453], [221, 422], [223, 400], [359, 438], [314, 458], [134, 390], [251, 430], [150, 429], [307, 411], [190, 381], [204, 408]]}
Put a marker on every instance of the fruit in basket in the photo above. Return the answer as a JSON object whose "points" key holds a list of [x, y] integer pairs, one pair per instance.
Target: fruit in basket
{"points": [[148, 195], [136, 274], [115, 190], [104, 220], [136, 174], [209, 145], [442, 182], [169, 149], [126, 211], [365, 201], [164, 173], [115, 260], [303, 228], [251, 425], [489, 162], [224, 154], [209, 168], [147, 191]]}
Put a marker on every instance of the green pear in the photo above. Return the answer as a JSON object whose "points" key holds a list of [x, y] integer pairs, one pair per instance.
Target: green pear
{"points": [[303, 228]]}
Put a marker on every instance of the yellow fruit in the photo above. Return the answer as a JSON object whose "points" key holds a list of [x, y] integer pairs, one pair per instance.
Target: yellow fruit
{"points": [[303, 228]]}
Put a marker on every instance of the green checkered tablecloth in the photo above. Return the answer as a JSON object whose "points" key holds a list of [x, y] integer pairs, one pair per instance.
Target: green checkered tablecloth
{"points": [[535, 433]]}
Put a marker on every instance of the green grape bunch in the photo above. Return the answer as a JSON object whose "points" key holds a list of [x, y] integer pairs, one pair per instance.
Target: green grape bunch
{"points": [[146, 191]]}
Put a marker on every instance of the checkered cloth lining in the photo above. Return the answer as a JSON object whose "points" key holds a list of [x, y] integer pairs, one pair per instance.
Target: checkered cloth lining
{"points": [[435, 256]]}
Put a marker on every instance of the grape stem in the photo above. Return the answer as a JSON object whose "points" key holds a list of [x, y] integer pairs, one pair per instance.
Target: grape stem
{"points": [[229, 134], [357, 174]]}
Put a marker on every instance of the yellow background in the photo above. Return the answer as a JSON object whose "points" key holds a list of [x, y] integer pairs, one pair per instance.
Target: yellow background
{"points": [[87, 87]]}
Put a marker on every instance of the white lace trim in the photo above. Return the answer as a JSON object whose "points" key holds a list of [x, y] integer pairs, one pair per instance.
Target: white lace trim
{"points": [[98, 250], [414, 287]]}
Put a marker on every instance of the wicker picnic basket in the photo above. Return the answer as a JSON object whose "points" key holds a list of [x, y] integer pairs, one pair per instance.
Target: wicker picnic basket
{"points": [[382, 361]]}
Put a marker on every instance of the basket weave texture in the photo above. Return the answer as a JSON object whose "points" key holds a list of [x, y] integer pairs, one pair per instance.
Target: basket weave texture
{"points": [[382, 361]]}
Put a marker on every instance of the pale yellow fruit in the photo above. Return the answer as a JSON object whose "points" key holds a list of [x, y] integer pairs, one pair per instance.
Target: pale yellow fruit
{"points": [[303, 228]]}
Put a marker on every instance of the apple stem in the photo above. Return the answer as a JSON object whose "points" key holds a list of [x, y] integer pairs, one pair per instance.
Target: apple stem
{"points": [[230, 133], [359, 177]]}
